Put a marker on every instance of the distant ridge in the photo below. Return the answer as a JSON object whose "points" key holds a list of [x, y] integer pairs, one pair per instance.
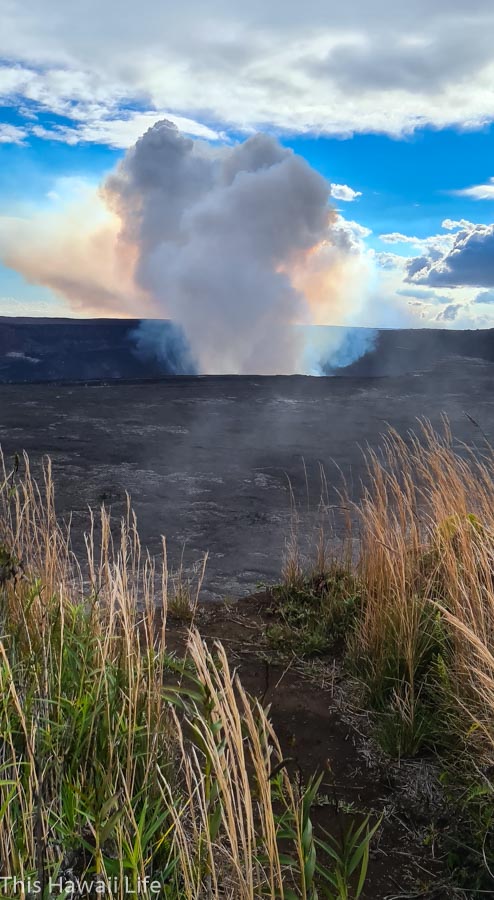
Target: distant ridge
{"points": [[62, 350], [415, 350], [37, 350]]}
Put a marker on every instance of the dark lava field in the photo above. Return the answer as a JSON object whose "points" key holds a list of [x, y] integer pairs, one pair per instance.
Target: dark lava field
{"points": [[210, 462]]}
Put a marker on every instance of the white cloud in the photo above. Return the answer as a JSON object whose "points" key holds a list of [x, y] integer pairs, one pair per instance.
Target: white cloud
{"points": [[478, 191], [458, 224], [324, 66], [396, 237], [390, 261], [433, 245], [351, 233], [344, 192], [121, 132], [12, 134], [434, 241]]}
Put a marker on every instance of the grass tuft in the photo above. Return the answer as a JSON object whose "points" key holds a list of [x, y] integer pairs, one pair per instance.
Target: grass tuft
{"points": [[314, 613]]}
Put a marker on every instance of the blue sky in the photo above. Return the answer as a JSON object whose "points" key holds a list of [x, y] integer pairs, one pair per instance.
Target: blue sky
{"points": [[407, 183], [393, 108]]}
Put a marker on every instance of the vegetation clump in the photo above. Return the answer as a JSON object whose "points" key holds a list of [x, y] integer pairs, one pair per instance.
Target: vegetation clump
{"points": [[315, 612]]}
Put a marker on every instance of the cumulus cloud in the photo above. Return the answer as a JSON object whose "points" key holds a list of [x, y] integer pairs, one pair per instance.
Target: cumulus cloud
{"points": [[344, 192], [468, 262], [460, 257], [236, 246], [337, 68]]}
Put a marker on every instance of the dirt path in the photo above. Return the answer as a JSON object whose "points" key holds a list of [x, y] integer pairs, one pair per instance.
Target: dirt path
{"points": [[319, 730]]}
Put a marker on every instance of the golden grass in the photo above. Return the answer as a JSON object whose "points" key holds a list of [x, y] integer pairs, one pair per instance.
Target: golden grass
{"points": [[426, 536], [118, 760]]}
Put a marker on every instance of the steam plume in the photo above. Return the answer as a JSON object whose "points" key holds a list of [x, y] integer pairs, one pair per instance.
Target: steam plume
{"points": [[214, 235], [237, 245]]}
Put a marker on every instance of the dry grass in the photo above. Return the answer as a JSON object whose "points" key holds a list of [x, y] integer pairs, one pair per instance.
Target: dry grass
{"points": [[426, 524], [419, 636], [119, 763]]}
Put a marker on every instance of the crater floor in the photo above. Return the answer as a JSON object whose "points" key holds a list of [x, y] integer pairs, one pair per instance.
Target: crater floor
{"points": [[210, 462]]}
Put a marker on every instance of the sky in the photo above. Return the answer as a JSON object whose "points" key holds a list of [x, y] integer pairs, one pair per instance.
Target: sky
{"points": [[391, 103]]}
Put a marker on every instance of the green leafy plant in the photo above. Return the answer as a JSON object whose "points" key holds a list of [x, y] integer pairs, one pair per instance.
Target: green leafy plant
{"points": [[350, 858]]}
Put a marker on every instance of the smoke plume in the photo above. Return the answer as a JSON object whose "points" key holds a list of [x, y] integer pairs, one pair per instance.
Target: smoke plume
{"points": [[237, 245]]}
